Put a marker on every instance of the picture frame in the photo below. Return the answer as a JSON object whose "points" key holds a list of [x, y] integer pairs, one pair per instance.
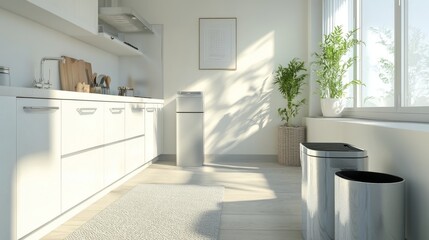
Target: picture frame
{"points": [[218, 43]]}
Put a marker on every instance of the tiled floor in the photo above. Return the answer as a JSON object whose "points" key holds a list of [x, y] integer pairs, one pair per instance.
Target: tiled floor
{"points": [[261, 201]]}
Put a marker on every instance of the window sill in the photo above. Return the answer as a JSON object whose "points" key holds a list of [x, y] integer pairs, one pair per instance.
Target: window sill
{"points": [[389, 114], [411, 126]]}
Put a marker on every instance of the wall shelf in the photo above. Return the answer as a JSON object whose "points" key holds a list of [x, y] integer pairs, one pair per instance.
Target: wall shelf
{"points": [[70, 27], [108, 43]]}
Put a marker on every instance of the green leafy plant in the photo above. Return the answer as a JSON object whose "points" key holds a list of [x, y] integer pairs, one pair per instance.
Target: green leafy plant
{"points": [[289, 80], [333, 63]]}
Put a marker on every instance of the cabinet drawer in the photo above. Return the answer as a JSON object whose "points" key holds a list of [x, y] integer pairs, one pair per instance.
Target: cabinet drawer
{"points": [[82, 176], [134, 154], [114, 122], [114, 162], [82, 125], [134, 119]]}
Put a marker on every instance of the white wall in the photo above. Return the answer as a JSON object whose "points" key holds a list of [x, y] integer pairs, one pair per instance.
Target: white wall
{"points": [[240, 106], [395, 148], [315, 16], [144, 73], [23, 43]]}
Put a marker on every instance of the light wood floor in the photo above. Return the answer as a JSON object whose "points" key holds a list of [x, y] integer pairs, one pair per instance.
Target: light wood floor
{"points": [[261, 201]]}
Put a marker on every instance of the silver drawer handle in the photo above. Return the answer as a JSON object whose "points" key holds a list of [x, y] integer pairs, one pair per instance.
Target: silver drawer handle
{"points": [[116, 110], [86, 110], [139, 109], [150, 109], [26, 108]]}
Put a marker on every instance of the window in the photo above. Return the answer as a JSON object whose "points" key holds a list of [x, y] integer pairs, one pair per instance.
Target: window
{"points": [[416, 31], [394, 61], [377, 55]]}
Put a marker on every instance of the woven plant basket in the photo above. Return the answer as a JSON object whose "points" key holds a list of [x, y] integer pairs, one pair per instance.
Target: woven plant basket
{"points": [[289, 139]]}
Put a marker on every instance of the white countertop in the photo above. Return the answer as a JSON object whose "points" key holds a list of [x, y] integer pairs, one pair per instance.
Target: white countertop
{"points": [[68, 95]]}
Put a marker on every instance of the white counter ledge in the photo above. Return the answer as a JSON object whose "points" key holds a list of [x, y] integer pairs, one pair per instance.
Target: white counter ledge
{"points": [[68, 95]]}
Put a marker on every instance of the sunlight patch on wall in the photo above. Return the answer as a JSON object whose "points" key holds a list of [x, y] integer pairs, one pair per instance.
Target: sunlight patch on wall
{"points": [[238, 102], [255, 66]]}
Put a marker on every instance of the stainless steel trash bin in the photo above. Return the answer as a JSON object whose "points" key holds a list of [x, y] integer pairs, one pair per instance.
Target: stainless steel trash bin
{"points": [[369, 205], [189, 129], [319, 162]]}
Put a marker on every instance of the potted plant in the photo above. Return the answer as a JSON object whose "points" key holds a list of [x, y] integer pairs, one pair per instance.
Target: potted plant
{"points": [[332, 65], [290, 80]]}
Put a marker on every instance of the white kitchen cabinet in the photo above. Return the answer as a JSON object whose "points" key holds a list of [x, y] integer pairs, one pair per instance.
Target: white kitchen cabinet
{"points": [[134, 153], [159, 129], [153, 131], [38, 163], [76, 18], [114, 162], [82, 176], [53, 154], [134, 119], [150, 132], [134, 133], [83, 13], [82, 125], [114, 122], [8, 167], [86, 14]]}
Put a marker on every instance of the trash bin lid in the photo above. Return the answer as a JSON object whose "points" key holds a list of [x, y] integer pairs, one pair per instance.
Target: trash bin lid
{"points": [[369, 177], [332, 150], [189, 102], [189, 94]]}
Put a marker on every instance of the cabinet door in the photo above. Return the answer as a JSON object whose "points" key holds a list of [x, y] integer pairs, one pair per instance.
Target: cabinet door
{"points": [[38, 163], [134, 153], [82, 125], [159, 129], [86, 14], [83, 13], [82, 176], [114, 122], [150, 134], [134, 119], [63, 9], [8, 167], [114, 162]]}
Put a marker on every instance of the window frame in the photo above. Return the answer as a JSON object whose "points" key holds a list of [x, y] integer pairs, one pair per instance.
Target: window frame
{"points": [[399, 112]]}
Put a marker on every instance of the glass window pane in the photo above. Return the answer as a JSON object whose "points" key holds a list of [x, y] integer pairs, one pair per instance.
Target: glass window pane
{"points": [[416, 84], [377, 29]]}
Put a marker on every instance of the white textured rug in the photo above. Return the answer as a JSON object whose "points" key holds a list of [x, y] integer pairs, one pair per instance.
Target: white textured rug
{"points": [[158, 211]]}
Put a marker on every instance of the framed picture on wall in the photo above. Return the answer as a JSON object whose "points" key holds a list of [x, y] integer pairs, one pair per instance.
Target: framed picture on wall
{"points": [[218, 43]]}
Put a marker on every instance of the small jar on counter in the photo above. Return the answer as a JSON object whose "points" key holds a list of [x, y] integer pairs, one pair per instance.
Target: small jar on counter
{"points": [[4, 76]]}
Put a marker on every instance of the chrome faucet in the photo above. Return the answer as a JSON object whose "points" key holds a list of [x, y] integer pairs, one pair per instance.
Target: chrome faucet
{"points": [[41, 83]]}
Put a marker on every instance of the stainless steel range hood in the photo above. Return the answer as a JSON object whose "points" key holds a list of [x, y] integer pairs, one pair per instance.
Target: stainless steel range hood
{"points": [[124, 19]]}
